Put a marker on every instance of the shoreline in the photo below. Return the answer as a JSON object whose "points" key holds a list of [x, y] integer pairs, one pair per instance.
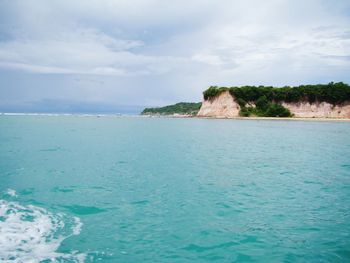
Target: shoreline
{"points": [[178, 116], [251, 118], [287, 119]]}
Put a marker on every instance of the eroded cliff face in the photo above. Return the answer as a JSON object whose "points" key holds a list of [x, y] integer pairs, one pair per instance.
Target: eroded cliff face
{"points": [[221, 106], [318, 110], [224, 106]]}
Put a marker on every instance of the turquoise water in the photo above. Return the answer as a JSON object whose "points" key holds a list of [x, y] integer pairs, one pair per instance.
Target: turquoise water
{"points": [[111, 189]]}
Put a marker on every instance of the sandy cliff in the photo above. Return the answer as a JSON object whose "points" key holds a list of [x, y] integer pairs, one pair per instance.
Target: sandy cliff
{"points": [[224, 106], [318, 110]]}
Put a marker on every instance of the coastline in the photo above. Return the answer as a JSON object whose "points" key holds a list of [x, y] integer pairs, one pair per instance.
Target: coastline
{"points": [[287, 119], [252, 118], [175, 116]]}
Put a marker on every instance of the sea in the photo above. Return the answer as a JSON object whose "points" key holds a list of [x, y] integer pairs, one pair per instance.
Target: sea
{"points": [[78, 188]]}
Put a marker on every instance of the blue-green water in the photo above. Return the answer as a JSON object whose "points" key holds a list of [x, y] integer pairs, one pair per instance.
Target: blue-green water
{"points": [[114, 189]]}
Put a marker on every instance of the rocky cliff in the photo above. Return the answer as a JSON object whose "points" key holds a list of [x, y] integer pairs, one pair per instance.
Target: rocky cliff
{"points": [[225, 106]]}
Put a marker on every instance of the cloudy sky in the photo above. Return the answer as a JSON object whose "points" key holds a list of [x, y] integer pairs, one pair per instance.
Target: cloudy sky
{"points": [[121, 55]]}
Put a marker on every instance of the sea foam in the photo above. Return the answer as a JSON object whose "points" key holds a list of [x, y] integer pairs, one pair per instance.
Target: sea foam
{"points": [[32, 234], [11, 192]]}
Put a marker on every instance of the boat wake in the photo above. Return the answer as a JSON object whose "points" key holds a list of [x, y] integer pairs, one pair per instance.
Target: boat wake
{"points": [[32, 234]]}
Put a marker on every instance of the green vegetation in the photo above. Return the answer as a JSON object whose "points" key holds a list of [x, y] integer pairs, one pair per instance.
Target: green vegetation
{"points": [[333, 93], [213, 91], [271, 110], [266, 100], [185, 108], [263, 108]]}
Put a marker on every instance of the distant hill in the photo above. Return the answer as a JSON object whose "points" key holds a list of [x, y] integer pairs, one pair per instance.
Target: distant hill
{"points": [[181, 108]]}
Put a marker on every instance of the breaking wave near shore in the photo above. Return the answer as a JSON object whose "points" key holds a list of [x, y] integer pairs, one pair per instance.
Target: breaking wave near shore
{"points": [[32, 234]]}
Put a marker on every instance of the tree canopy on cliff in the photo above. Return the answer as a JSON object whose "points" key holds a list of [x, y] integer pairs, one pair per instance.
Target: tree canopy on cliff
{"points": [[186, 108], [334, 93], [265, 101]]}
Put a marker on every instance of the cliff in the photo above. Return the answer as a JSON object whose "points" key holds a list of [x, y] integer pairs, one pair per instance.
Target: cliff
{"points": [[224, 105], [221, 106], [330, 100], [318, 110]]}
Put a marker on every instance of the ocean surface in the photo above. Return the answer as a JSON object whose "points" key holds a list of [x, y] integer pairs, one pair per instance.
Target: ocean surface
{"points": [[123, 189]]}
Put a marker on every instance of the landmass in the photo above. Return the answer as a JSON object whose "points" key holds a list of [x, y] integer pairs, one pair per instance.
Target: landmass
{"points": [[330, 100], [178, 109]]}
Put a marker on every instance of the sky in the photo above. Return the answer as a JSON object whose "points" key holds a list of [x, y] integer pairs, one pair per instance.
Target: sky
{"points": [[123, 55]]}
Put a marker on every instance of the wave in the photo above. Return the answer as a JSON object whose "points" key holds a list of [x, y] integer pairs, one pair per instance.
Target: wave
{"points": [[32, 234]]}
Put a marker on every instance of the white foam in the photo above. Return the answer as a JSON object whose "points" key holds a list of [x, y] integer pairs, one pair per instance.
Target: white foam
{"points": [[76, 228], [11, 192], [32, 234]]}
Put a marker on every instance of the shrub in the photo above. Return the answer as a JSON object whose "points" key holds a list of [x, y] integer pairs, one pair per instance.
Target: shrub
{"points": [[277, 110], [262, 103], [241, 102], [245, 112]]}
